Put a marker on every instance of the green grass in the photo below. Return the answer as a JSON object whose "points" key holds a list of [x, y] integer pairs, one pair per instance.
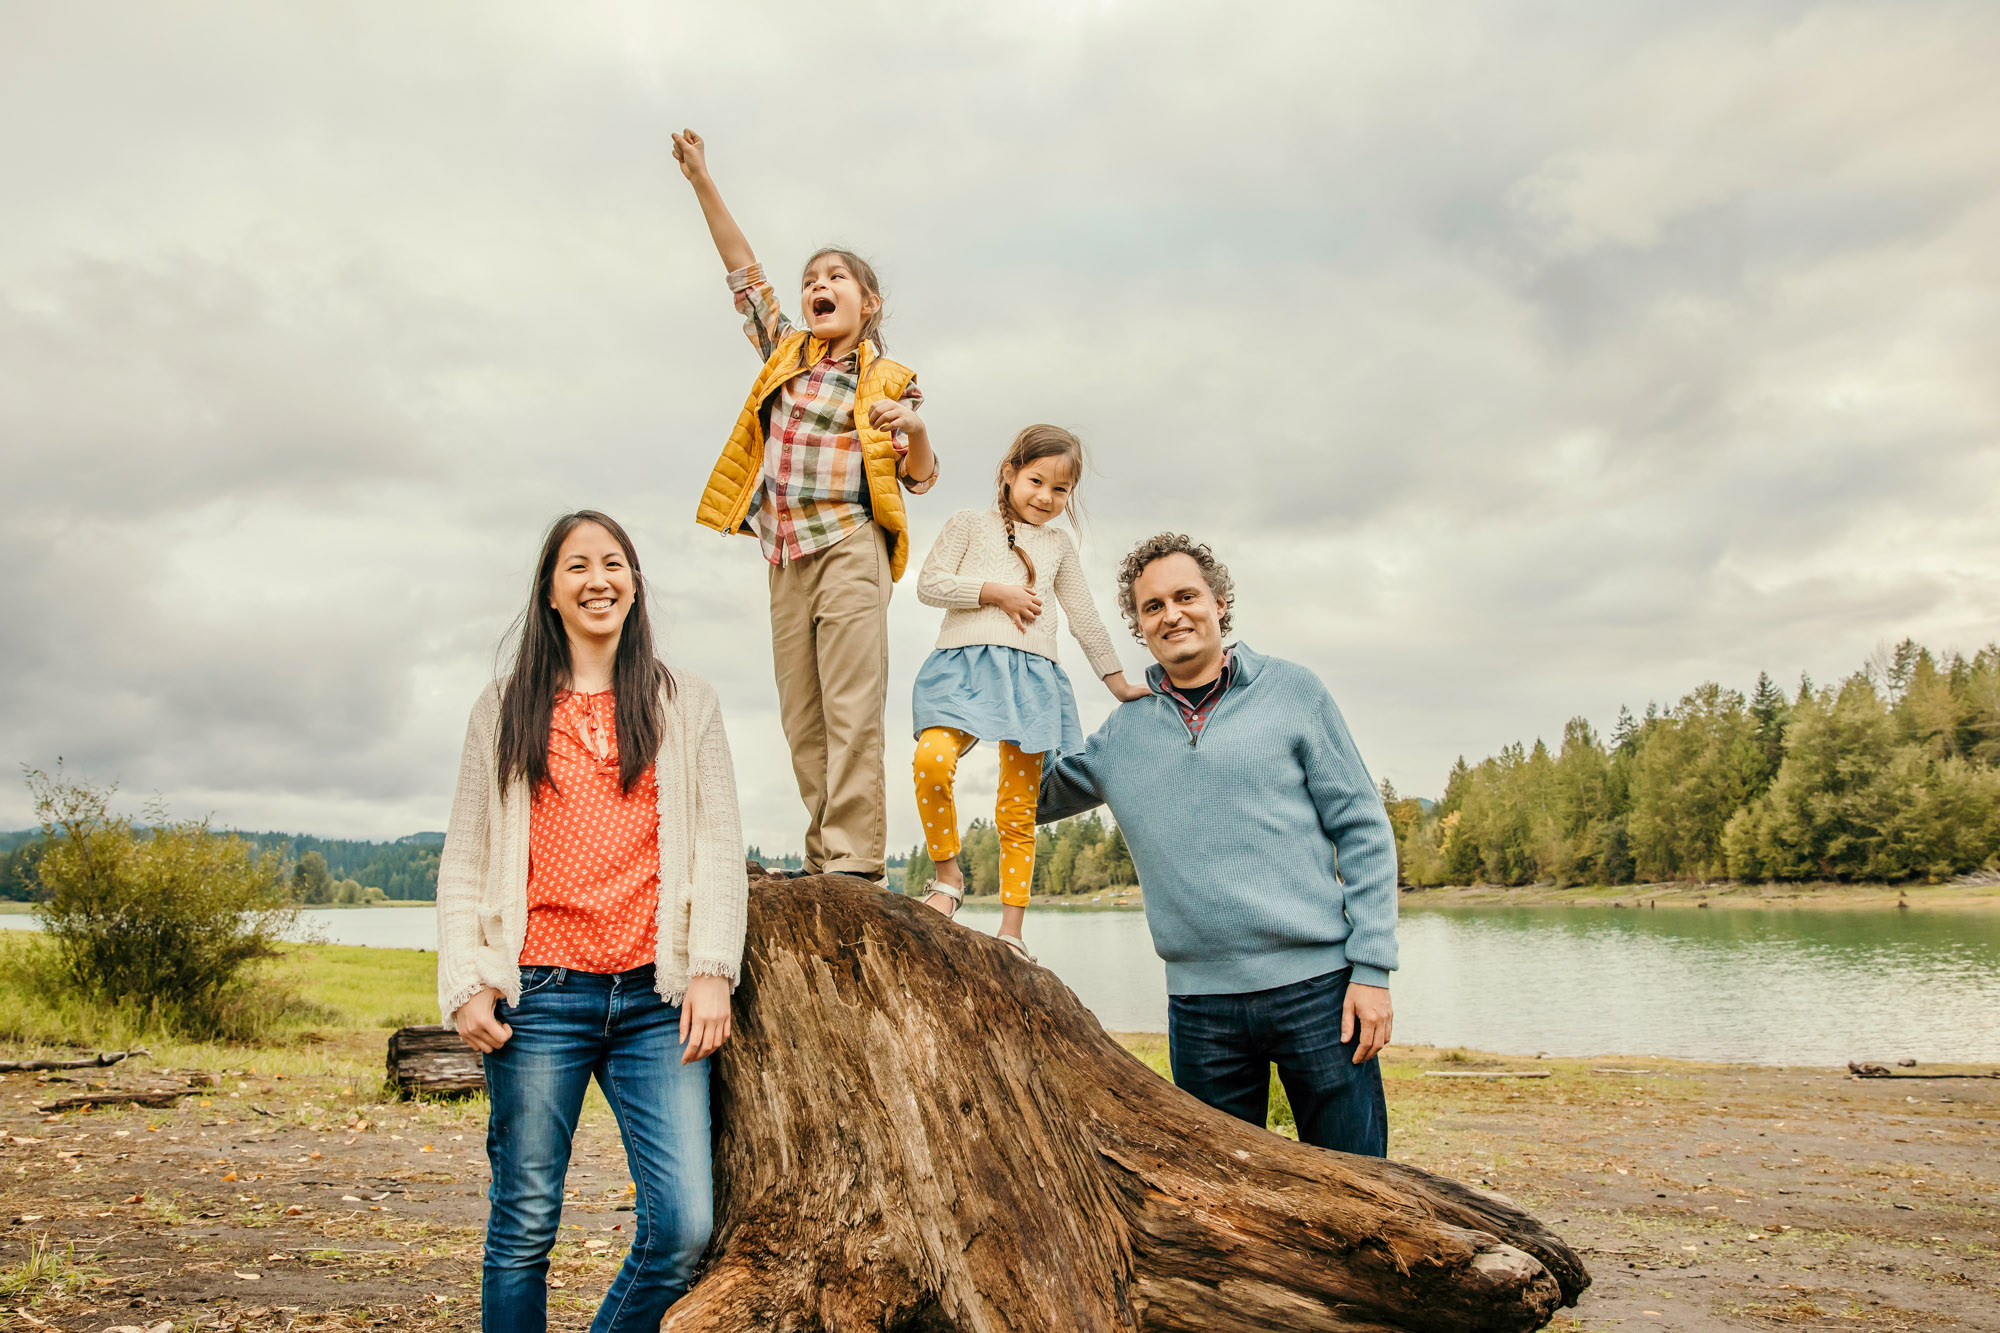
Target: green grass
{"points": [[48, 1270], [349, 990]]}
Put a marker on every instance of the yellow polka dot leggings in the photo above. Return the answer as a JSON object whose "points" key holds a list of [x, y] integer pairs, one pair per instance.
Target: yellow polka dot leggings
{"points": [[938, 750]]}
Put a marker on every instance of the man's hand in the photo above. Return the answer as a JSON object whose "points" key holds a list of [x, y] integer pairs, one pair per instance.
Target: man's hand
{"points": [[704, 1018], [477, 1027], [896, 416], [1022, 605], [1366, 1014], [692, 154]]}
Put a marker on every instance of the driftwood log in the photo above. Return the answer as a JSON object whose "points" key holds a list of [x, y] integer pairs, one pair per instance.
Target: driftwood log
{"points": [[1859, 1070], [433, 1059], [917, 1131], [101, 1060]]}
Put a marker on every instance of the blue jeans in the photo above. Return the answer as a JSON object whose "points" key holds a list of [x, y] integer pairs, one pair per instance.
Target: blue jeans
{"points": [[1222, 1048], [568, 1027]]}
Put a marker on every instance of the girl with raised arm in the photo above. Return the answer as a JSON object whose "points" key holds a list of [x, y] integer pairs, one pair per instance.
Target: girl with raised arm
{"points": [[826, 443], [591, 909]]}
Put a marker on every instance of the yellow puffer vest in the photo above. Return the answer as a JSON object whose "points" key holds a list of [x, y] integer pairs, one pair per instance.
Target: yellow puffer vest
{"points": [[725, 501]]}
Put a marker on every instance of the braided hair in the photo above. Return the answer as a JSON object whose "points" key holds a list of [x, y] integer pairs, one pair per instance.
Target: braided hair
{"points": [[1031, 446]]}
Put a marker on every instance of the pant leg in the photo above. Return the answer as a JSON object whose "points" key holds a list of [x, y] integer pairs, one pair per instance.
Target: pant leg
{"points": [[1216, 1056], [662, 1110], [936, 771], [1336, 1103], [795, 661], [851, 629], [1014, 817], [536, 1084]]}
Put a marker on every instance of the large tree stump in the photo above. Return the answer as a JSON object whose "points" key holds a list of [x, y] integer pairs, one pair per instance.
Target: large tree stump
{"points": [[917, 1131]]}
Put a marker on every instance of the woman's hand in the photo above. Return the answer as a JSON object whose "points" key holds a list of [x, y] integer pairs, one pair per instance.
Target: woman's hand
{"points": [[704, 1018], [1124, 690], [1022, 605], [477, 1026], [897, 416], [692, 154]]}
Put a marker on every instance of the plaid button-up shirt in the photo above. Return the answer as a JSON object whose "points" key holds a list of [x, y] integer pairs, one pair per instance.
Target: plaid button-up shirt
{"points": [[1196, 716], [812, 493]]}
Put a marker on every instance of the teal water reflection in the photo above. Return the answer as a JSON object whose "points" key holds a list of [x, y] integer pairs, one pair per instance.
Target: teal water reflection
{"points": [[1766, 986]]}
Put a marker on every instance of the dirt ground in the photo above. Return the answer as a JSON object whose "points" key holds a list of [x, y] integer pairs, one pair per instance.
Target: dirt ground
{"points": [[1703, 1197]]}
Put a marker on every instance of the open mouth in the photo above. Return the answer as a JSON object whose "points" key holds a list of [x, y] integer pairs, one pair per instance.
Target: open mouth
{"points": [[822, 305], [600, 604]]}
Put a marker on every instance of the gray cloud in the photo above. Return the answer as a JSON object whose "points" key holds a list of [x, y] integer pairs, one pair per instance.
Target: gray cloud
{"points": [[1522, 360]]}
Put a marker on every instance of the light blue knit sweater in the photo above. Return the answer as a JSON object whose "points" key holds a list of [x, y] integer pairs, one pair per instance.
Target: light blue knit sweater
{"points": [[1263, 848]]}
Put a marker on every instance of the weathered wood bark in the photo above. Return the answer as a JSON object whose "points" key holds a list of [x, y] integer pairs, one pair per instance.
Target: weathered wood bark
{"points": [[434, 1059], [917, 1131], [101, 1060]]}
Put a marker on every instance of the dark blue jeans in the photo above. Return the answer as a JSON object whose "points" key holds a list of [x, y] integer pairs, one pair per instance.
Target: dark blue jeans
{"points": [[568, 1027], [1223, 1046]]}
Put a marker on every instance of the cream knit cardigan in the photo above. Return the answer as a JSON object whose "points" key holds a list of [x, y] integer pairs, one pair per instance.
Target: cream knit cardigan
{"points": [[972, 550], [482, 892]]}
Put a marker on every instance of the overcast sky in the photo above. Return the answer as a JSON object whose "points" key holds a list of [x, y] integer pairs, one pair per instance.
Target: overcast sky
{"points": [[1521, 360]]}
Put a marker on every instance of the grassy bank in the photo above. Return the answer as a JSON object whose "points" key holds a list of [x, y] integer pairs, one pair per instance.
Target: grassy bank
{"points": [[293, 1194], [1676, 893], [1842, 897]]}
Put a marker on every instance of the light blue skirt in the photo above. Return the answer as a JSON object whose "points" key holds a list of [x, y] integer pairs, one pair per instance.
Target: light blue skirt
{"points": [[996, 693]]}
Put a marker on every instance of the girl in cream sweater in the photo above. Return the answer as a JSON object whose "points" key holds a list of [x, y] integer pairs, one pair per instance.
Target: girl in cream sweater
{"points": [[993, 676]]}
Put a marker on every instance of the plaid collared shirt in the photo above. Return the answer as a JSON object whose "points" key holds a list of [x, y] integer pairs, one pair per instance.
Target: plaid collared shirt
{"points": [[1196, 716], [813, 492]]}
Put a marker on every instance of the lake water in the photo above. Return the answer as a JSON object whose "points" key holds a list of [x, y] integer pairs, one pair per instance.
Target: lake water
{"points": [[1752, 986]]}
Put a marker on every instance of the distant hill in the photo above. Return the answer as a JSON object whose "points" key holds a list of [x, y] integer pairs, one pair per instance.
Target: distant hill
{"points": [[403, 869]]}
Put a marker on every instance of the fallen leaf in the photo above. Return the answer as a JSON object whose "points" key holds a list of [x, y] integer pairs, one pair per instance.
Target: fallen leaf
{"points": [[137, 1198], [229, 1175], [251, 1277], [295, 1211], [349, 1198]]}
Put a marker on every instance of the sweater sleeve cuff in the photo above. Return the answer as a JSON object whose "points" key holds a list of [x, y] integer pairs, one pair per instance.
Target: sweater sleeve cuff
{"points": [[1362, 974], [1105, 664], [716, 967]]}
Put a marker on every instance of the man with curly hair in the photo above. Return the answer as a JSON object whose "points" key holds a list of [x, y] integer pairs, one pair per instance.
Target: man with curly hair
{"points": [[1266, 858]]}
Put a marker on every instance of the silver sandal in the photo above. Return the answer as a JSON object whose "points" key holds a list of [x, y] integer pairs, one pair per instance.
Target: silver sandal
{"points": [[1019, 946], [957, 897]]}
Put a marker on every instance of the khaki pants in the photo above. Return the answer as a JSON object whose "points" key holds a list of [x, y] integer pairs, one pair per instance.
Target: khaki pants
{"points": [[830, 645]]}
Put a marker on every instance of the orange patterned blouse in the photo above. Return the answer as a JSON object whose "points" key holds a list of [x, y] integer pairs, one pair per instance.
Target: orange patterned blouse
{"points": [[593, 849]]}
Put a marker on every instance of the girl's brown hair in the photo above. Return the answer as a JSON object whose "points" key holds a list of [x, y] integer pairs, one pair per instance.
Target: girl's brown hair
{"points": [[542, 667], [1031, 446], [864, 277]]}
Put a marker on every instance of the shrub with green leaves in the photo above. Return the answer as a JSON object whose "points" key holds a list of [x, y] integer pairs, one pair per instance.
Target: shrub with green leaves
{"points": [[170, 920]]}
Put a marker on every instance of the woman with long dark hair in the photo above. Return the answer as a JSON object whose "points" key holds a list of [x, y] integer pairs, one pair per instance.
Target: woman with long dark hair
{"points": [[591, 901]]}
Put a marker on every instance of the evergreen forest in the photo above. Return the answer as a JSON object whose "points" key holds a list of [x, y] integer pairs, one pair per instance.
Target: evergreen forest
{"points": [[1893, 774]]}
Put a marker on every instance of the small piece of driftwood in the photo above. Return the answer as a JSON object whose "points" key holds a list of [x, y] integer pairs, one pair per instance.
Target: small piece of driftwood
{"points": [[1511, 1073], [124, 1097], [433, 1059], [1859, 1070], [97, 1061]]}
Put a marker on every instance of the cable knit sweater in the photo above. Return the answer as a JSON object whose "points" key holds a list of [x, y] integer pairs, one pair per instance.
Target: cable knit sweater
{"points": [[972, 550], [482, 889]]}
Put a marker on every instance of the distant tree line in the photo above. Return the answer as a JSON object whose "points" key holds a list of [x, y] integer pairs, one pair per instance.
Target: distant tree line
{"points": [[1079, 855], [323, 868], [1893, 774]]}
